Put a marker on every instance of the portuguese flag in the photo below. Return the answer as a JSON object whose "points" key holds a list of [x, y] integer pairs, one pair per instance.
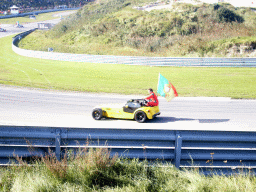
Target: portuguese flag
{"points": [[165, 88]]}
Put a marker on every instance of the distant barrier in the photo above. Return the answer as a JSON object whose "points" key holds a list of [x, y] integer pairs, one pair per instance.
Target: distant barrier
{"points": [[221, 151], [17, 38], [128, 60], [36, 13]]}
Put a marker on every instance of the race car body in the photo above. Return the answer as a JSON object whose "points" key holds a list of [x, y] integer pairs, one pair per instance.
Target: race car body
{"points": [[133, 109]]}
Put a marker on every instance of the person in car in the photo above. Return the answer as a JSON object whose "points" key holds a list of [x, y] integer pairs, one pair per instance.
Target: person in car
{"points": [[152, 98]]}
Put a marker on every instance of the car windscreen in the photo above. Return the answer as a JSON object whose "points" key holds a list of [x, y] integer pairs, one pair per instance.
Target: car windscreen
{"points": [[134, 105]]}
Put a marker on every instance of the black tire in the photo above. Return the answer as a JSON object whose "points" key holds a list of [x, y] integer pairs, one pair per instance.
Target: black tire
{"points": [[140, 116], [97, 114]]}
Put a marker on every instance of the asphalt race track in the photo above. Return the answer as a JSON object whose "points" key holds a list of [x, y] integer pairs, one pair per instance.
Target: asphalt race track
{"points": [[32, 107], [12, 29]]}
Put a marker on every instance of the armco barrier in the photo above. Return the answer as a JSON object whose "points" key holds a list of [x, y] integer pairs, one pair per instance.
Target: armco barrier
{"points": [[128, 60], [215, 150], [18, 37]]}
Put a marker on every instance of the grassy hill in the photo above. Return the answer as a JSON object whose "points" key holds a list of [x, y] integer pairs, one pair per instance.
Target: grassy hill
{"points": [[116, 27]]}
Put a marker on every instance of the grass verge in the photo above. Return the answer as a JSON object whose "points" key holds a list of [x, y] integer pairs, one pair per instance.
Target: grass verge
{"points": [[113, 78], [94, 170]]}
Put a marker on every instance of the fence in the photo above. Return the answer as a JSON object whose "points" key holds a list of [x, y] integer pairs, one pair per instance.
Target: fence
{"points": [[128, 60], [227, 152]]}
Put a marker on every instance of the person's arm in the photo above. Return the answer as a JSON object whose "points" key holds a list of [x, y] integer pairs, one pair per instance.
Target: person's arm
{"points": [[149, 97]]}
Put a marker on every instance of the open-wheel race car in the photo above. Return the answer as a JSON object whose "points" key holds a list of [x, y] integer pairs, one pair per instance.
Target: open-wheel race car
{"points": [[133, 109]]}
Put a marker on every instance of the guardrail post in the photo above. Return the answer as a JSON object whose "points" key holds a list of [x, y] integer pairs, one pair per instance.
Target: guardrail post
{"points": [[57, 143], [178, 144]]}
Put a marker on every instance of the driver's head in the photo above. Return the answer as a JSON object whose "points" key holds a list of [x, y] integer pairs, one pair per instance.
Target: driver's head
{"points": [[150, 90]]}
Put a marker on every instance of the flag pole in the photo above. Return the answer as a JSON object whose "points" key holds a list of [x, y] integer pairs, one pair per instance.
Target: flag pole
{"points": [[158, 84]]}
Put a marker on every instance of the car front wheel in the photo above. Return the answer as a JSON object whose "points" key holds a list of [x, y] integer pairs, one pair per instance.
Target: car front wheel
{"points": [[140, 116], [97, 114]]}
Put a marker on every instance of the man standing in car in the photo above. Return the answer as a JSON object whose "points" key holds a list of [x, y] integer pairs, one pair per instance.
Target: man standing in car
{"points": [[152, 98]]}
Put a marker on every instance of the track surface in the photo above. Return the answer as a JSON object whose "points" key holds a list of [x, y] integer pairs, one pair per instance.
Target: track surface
{"points": [[69, 109], [64, 109], [11, 29]]}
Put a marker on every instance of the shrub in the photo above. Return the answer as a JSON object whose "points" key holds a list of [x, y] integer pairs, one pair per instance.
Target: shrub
{"points": [[226, 15], [63, 28], [216, 6], [189, 28]]}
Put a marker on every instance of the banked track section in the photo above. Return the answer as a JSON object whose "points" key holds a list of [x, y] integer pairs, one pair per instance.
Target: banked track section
{"points": [[129, 60]]}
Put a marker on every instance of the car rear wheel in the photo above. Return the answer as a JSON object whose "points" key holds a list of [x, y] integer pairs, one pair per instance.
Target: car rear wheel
{"points": [[140, 116], [97, 114]]}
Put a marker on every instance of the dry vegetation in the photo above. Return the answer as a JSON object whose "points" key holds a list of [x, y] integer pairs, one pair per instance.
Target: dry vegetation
{"points": [[96, 170], [116, 28]]}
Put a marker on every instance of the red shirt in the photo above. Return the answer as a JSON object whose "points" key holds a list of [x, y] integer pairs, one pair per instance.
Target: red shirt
{"points": [[153, 98]]}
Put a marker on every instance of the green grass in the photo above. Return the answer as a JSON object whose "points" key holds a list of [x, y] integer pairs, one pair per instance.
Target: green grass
{"points": [[26, 19], [95, 170], [115, 78]]}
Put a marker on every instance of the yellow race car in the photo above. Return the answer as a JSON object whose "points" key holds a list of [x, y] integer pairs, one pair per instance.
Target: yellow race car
{"points": [[133, 109]]}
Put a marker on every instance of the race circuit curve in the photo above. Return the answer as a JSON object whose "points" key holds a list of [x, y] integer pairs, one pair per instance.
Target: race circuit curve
{"points": [[32, 107]]}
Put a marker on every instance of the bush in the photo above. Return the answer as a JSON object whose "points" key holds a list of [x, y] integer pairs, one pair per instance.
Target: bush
{"points": [[189, 28], [226, 15], [216, 6]]}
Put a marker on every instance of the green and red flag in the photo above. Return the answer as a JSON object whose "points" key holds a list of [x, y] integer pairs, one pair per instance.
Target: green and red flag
{"points": [[165, 88]]}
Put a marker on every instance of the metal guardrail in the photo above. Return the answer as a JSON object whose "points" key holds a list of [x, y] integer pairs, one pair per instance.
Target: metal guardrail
{"points": [[220, 151], [36, 12], [128, 60], [17, 38]]}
